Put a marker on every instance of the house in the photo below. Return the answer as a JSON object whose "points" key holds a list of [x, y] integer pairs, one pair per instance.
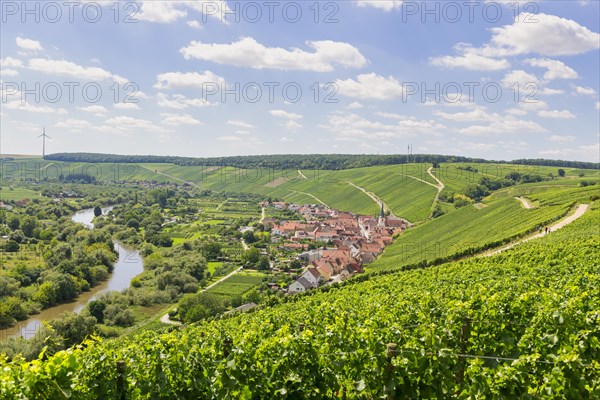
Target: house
{"points": [[313, 276], [300, 286]]}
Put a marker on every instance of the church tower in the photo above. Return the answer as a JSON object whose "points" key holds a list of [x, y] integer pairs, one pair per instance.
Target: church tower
{"points": [[381, 216]]}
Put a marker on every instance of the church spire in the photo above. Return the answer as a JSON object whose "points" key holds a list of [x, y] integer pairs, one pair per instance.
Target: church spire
{"points": [[382, 214]]}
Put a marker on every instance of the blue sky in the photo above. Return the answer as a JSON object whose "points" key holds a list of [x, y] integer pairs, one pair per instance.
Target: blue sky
{"points": [[498, 80]]}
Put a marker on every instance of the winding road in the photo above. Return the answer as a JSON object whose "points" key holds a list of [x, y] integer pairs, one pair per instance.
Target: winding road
{"points": [[525, 202], [579, 211], [375, 198]]}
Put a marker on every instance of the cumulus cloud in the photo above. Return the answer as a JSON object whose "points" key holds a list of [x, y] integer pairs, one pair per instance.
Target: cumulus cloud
{"points": [[385, 5], [555, 69], [28, 44], [179, 119], [180, 102], [471, 61], [348, 126], [70, 69], [240, 124], [285, 114], [584, 90], [96, 110], [247, 52], [371, 86], [556, 114]]}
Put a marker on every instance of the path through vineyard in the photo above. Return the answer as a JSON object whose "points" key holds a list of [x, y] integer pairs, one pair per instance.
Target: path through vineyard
{"points": [[581, 209]]}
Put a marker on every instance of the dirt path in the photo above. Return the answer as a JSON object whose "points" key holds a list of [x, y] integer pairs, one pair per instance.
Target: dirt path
{"points": [[302, 175], [581, 209], [168, 176], [440, 184], [525, 202], [420, 180], [375, 198], [309, 195], [263, 215]]}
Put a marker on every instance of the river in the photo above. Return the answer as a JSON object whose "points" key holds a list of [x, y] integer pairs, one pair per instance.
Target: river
{"points": [[128, 265]]}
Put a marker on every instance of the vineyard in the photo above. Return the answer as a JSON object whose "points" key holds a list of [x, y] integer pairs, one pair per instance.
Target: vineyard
{"points": [[522, 324]]}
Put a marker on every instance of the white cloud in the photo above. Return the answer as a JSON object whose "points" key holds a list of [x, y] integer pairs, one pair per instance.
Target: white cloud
{"points": [[521, 78], [543, 34], [550, 92], [247, 52], [126, 106], [470, 61], [240, 124], [179, 119], [285, 114], [160, 11], [556, 69], [371, 86], [352, 127], [391, 115], [8, 72], [286, 139], [128, 124], [28, 44], [170, 80], [67, 68], [585, 90], [194, 24], [355, 105], [10, 62], [561, 139], [503, 126], [96, 110], [556, 114], [73, 124], [477, 114], [291, 125], [179, 101], [385, 5], [598, 105], [28, 107]]}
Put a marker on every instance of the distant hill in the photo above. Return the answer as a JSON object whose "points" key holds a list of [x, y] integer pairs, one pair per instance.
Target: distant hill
{"points": [[305, 161]]}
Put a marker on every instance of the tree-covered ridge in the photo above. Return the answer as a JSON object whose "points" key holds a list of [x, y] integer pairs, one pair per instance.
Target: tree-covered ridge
{"points": [[304, 161], [522, 324]]}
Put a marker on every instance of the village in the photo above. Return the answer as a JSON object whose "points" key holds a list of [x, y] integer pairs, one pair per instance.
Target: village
{"points": [[347, 241]]}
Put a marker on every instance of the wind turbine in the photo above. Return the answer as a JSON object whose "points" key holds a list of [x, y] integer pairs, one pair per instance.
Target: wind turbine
{"points": [[44, 136]]}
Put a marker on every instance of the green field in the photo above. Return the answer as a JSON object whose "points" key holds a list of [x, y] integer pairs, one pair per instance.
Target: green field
{"points": [[8, 193], [238, 284]]}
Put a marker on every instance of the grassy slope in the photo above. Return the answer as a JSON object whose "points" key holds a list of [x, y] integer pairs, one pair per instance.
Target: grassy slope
{"points": [[462, 229]]}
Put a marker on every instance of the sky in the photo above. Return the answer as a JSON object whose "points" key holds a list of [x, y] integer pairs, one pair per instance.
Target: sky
{"points": [[498, 80]]}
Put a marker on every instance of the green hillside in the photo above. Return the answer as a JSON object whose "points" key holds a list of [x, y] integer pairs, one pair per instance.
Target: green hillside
{"points": [[519, 325]]}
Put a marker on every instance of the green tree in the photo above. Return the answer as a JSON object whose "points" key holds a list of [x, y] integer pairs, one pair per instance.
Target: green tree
{"points": [[14, 222], [96, 309], [561, 172], [97, 211], [11, 246], [251, 256], [28, 225], [71, 328]]}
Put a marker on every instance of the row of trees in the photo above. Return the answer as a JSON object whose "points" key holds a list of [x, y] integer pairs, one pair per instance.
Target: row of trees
{"points": [[304, 161]]}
